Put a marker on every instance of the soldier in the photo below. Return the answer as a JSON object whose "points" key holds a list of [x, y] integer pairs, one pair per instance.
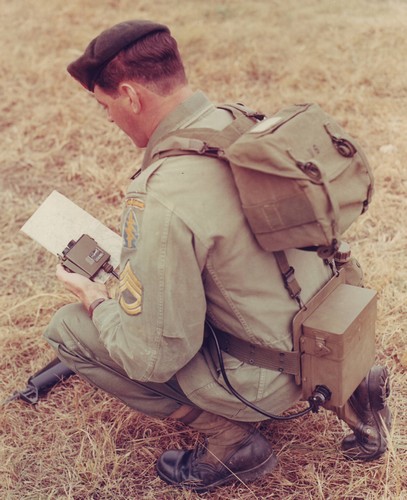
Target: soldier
{"points": [[189, 260]]}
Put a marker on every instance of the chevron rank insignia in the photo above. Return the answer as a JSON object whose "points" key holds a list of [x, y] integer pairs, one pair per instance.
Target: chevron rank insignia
{"points": [[131, 291]]}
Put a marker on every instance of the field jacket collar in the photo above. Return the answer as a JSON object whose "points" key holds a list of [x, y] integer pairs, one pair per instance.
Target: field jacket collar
{"points": [[183, 115]]}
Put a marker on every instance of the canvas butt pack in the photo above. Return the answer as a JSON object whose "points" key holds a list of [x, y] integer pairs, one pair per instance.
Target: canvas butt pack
{"points": [[302, 181]]}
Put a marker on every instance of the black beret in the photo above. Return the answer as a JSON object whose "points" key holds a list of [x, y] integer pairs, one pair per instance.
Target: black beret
{"points": [[106, 46]]}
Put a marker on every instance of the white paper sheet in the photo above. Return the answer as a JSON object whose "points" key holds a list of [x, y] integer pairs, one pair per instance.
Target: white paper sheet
{"points": [[58, 220]]}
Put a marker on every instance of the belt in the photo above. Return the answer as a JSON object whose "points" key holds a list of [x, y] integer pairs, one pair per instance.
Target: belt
{"points": [[264, 357]]}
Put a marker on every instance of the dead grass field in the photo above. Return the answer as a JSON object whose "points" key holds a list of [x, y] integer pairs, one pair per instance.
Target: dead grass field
{"points": [[348, 56]]}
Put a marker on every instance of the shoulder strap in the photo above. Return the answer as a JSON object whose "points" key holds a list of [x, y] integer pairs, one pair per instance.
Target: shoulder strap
{"points": [[290, 281], [207, 141]]}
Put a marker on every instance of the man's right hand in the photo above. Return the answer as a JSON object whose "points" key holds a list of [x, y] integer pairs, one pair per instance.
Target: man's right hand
{"points": [[84, 289]]}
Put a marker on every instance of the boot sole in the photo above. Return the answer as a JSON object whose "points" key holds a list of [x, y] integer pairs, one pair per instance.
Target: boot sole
{"points": [[244, 476]]}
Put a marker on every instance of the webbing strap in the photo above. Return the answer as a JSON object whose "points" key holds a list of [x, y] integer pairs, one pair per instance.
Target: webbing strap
{"points": [[287, 272], [206, 141], [264, 357]]}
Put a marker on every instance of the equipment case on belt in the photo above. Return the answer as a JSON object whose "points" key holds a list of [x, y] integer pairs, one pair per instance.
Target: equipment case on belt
{"points": [[338, 342]]}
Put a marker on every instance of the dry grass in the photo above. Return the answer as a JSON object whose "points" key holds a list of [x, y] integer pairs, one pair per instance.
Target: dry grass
{"points": [[348, 56]]}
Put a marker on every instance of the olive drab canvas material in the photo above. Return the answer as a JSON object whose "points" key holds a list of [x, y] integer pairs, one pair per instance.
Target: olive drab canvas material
{"points": [[302, 179]]}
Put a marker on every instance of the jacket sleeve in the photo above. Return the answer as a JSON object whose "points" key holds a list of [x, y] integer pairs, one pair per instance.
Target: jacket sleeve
{"points": [[156, 324]]}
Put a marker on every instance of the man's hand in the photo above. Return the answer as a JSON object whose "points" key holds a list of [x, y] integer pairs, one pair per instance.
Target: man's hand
{"points": [[86, 290]]}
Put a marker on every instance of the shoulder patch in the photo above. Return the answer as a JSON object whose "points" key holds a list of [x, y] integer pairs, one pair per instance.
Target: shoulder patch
{"points": [[130, 229], [131, 291]]}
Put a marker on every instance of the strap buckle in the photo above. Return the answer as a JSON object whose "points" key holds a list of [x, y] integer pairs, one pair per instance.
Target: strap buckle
{"points": [[288, 276], [209, 150], [291, 283]]}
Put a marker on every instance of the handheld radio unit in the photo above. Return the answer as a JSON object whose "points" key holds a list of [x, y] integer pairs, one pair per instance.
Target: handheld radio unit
{"points": [[86, 257]]}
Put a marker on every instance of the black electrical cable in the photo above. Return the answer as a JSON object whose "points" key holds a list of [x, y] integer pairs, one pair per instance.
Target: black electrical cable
{"points": [[244, 400]]}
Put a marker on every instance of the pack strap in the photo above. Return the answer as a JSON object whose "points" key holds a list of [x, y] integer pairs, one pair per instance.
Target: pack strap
{"points": [[288, 275], [238, 109], [207, 141], [263, 357]]}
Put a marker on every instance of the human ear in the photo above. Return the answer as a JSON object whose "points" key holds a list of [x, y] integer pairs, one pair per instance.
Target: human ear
{"points": [[131, 92]]}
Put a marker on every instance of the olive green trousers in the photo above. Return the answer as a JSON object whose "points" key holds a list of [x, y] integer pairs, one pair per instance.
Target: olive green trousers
{"points": [[77, 343]]}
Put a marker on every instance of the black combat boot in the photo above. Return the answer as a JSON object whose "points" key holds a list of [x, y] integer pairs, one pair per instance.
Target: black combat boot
{"points": [[369, 403], [233, 451]]}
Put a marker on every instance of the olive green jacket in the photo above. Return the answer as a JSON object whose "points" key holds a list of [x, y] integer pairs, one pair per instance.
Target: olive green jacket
{"points": [[188, 254]]}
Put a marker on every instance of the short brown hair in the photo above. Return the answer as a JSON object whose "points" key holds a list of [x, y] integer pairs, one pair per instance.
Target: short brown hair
{"points": [[153, 61]]}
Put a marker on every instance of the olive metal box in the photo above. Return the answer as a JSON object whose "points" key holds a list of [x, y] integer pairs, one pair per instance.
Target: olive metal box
{"points": [[338, 343]]}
